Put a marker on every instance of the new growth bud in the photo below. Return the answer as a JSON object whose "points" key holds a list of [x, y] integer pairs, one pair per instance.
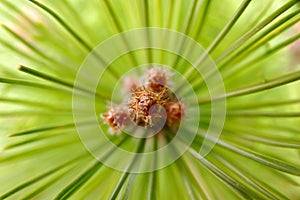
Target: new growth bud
{"points": [[157, 79], [150, 105], [116, 118], [175, 111]]}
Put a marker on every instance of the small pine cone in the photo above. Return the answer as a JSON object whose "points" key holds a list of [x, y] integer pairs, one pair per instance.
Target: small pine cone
{"points": [[175, 112], [141, 102], [116, 118]]}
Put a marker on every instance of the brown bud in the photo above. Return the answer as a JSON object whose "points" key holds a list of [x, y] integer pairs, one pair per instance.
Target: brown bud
{"points": [[175, 112], [116, 118], [157, 79]]}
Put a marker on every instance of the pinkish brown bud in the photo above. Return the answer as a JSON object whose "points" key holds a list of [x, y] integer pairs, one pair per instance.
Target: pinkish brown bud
{"points": [[175, 111], [130, 84], [116, 118], [157, 78]]}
